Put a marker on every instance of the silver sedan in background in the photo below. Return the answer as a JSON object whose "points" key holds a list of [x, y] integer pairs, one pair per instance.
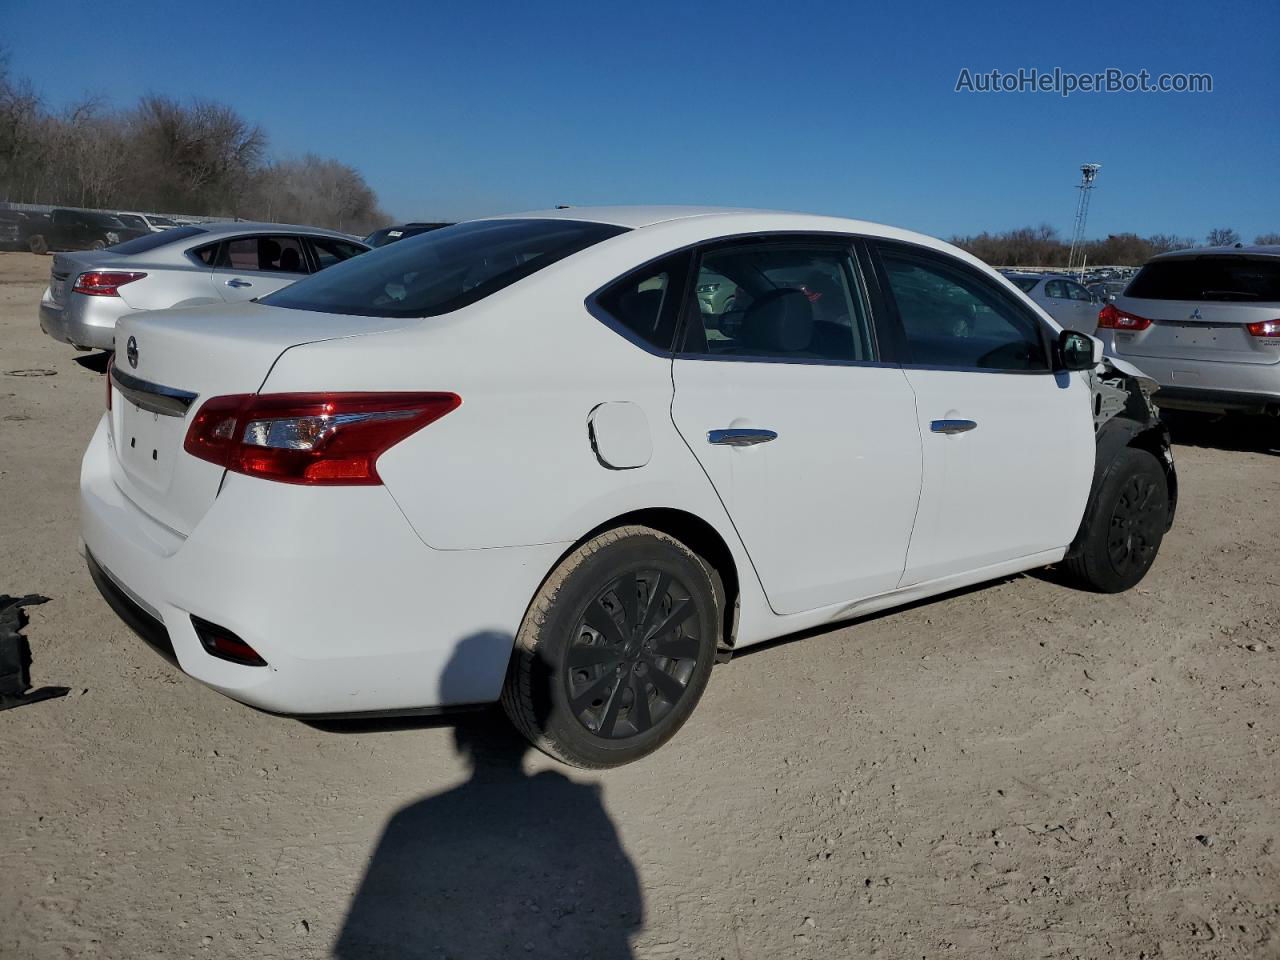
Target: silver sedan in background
{"points": [[184, 266], [1068, 302]]}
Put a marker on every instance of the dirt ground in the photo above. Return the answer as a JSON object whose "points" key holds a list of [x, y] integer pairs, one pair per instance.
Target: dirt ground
{"points": [[1021, 770]]}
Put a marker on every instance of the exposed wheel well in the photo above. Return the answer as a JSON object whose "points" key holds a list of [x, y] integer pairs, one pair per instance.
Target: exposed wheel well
{"points": [[700, 537], [1155, 440]]}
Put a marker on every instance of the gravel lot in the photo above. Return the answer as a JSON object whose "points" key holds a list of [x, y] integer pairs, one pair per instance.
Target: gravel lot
{"points": [[1021, 770]]}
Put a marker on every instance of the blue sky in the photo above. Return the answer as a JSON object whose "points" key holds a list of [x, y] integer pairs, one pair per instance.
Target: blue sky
{"points": [[452, 110]]}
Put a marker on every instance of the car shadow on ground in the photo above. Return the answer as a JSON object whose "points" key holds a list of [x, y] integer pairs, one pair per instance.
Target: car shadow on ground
{"points": [[1255, 434], [95, 362], [503, 865]]}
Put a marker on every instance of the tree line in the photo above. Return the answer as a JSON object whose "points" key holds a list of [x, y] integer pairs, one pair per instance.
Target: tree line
{"points": [[161, 155], [1042, 246]]}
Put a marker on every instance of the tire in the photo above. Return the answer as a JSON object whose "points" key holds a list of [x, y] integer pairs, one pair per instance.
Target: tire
{"points": [[584, 658], [1124, 533], [36, 243]]}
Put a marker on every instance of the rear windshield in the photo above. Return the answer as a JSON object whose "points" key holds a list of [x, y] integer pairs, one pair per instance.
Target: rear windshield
{"points": [[1024, 283], [1225, 278], [441, 271], [153, 240]]}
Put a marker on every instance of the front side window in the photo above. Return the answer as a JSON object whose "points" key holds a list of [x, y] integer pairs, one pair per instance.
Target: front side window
{"points": [[444, 270], [953, 317], [647, 302], [275, 254], [785, 300], [1077, 292]]}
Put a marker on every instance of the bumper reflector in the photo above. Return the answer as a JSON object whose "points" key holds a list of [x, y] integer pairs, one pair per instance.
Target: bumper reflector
{"points": [[222, 643]]}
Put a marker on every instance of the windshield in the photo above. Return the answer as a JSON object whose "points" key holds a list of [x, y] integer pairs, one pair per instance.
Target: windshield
{"points": [[441, 271], [152, 240], [1221, 278], [1025, 284]]}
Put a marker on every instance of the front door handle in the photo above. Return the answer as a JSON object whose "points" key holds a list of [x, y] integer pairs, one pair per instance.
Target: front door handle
{"points": [[950, 427], [740, 438], [237, 282]]}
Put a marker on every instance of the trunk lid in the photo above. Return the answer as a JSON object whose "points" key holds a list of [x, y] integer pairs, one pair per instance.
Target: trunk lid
{"points": [[168, 364], [1198, 330], [66, 267]]}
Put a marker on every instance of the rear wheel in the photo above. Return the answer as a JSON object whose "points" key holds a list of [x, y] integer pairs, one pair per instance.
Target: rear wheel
{"points": [[37, 244], [1128, 524], [616, 649]]}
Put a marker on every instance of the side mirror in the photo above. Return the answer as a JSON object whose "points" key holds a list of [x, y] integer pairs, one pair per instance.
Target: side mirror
{"points": [[1078, 351]]}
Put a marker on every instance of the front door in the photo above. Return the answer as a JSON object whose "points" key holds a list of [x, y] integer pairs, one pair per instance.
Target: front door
{"points": [[1008, 443], [810, 441]]}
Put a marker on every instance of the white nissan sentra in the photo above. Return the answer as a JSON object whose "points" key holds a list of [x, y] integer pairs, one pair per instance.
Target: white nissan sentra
{"points": [[533, 459]]}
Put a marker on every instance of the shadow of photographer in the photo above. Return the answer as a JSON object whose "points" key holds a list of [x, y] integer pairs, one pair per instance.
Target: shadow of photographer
{"points": [[506, 864]]}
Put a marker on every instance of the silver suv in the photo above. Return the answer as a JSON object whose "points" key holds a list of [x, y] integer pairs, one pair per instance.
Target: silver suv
{"points": [[1205, 325]]}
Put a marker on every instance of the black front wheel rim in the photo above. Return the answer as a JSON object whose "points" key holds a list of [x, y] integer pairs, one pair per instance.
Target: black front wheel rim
{"points": [[632, 655], [1135, 525]]}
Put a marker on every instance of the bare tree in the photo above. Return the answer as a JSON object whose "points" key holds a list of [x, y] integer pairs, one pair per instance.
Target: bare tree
{"points": [[1222, 237], [1164, 242], [1267, 239]]}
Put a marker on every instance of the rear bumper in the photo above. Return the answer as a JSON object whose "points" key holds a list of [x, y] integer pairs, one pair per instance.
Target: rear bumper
{"points": [[1211, 384], [83, 321], [352, 612]]}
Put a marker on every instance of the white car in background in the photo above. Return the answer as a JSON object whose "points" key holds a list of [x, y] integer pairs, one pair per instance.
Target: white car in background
{"points": [[515, 458], [1068, 302], [147, 221], [219, 263]]}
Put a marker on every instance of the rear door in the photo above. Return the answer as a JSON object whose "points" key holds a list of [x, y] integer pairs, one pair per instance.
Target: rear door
{"points": [[1200, 308], [807, 434], [252, 266], [1008, 445]]}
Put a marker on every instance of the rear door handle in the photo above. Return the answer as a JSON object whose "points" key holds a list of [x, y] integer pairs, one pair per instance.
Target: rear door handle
{"points": [[237, 282], [740, 438], [952, 426]]}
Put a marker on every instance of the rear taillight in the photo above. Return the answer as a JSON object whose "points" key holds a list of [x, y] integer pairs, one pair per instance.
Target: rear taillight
{"points": [[1112, 317], [101, 283], [1264, 328], [311, 438]]}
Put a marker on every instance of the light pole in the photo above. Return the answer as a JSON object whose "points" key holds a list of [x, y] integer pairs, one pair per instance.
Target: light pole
{"points": [[1088, 171]]}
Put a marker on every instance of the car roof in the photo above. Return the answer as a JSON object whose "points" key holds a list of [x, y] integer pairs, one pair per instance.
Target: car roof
{"points": [[220, 228], [1254, 249]]}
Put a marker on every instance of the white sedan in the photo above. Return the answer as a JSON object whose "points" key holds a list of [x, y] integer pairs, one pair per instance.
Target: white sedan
{"points": [[520, 459]]}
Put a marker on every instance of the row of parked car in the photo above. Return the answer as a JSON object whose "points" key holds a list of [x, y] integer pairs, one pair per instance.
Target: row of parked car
{"points": [[66, 228]]}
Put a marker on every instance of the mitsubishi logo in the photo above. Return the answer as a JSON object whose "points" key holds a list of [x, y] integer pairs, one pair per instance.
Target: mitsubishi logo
{"points": [[131, 351], [1195, 314]]}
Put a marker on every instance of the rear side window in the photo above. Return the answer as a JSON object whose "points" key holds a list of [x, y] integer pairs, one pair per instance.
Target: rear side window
{"points": [[1057, 289], [1216, 278], [646, 303], [443, 270], [153, 240], [954, 317], [330, 251], [275, 254], [786, 300]]}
